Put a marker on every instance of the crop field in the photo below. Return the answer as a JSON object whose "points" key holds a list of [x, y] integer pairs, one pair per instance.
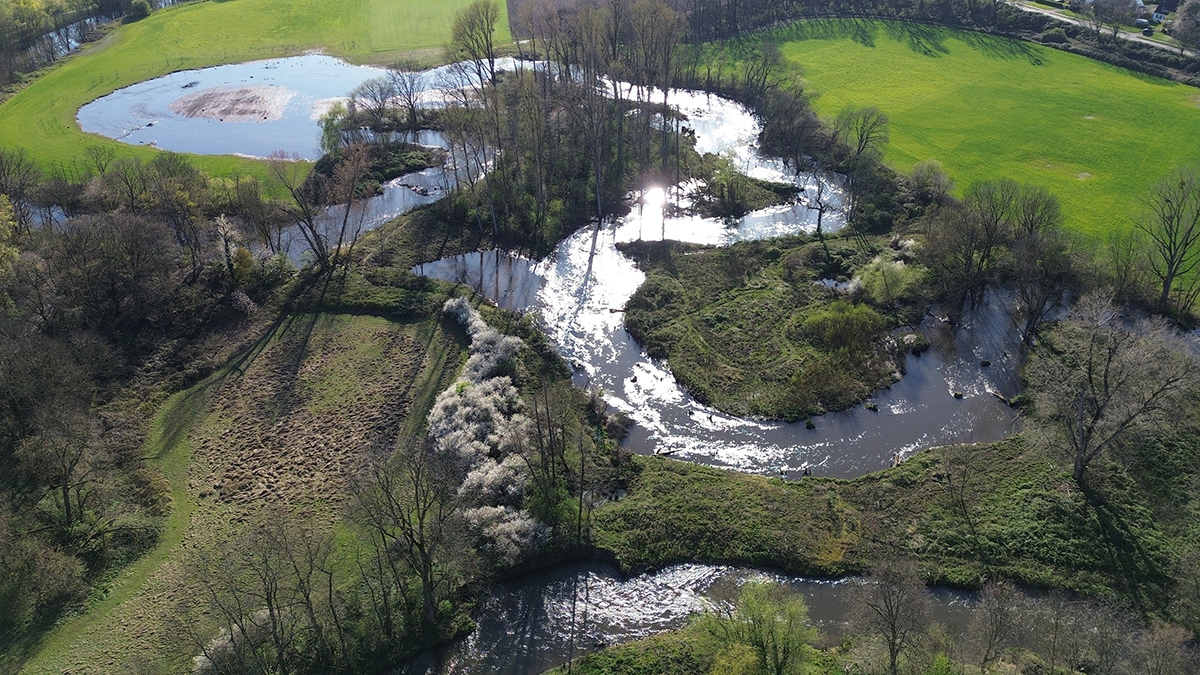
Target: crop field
{"points": [[41, 118], [985, 107]]}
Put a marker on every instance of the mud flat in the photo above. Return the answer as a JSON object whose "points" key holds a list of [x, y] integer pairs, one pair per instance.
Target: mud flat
{"points": [[235, 104]]}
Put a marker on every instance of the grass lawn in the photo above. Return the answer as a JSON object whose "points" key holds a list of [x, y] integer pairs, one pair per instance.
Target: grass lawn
{"points": [[1096, 135], [41, 118]]}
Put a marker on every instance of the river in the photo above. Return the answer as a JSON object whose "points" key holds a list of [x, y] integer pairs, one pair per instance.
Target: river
{"points": [[578, 292]]}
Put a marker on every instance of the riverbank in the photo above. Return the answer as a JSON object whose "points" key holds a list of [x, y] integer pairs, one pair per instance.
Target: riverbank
{"points": [[966, 513]]}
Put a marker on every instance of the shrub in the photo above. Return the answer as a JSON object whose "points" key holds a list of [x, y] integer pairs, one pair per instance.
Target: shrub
{"points": [[138, 9], [843, 325], [1056, 35]]}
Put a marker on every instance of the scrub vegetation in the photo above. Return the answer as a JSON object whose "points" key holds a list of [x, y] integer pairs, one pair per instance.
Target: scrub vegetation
{"points": [[749, 329]]}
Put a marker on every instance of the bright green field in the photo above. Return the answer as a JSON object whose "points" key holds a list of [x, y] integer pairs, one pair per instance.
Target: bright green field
{"points": [[985, 107], [41, 118]]}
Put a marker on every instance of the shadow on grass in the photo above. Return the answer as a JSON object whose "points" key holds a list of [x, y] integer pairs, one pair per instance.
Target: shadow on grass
{"points": [[1138, 567], [1004, 48], [922, 38]]}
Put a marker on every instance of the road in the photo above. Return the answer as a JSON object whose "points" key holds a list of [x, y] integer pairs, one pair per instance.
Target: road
{"points": [[1133, 37]]}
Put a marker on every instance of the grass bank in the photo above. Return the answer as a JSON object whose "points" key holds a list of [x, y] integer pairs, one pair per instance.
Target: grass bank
{"points": [[41, 118], [1018, 515], [1095, 135]]}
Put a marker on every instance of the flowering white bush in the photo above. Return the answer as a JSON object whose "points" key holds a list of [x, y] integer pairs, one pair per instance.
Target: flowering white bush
{"points": [[507, 530], [489, 347], [479, 423]]}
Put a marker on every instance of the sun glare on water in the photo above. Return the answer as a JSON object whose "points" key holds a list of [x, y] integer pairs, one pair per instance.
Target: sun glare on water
{"points": [[654, 197]]}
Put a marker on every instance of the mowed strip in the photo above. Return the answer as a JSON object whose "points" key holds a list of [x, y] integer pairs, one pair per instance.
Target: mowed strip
{"points": [[986, 107], [41, 118]]}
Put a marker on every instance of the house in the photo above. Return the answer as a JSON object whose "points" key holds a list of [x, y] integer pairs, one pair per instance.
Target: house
{"points": [[1164, 8]]}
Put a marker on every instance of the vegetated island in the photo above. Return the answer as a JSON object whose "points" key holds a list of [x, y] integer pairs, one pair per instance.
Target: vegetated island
{"points": [[784, 328]]}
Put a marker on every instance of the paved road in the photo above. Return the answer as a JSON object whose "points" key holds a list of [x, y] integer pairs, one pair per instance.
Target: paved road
{"points": [[1133, 37]]}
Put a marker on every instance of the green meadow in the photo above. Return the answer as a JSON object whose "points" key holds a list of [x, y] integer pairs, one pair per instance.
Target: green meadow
{"points": [[41, 118], [986, 107]]}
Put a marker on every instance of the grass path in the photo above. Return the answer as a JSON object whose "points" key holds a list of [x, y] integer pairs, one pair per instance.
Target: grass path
{"points": [[1096, 135], [41, 118], [312, 380], [168, 449]]}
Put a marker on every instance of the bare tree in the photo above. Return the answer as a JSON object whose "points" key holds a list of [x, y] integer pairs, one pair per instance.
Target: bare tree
{"points": [[1042, 265], [930, 182], [961, 477], [1187, 25], [864, 131], [472, 37], [370, 106], [1163, 649], [996, 624], [1107, 380], [893, 606], [412, 505], [305, 204], [406, 82], [1172, 225]]}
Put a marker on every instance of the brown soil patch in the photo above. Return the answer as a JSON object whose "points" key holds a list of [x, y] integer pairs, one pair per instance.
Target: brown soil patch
{"points": [[297, 433], [235, 104]]}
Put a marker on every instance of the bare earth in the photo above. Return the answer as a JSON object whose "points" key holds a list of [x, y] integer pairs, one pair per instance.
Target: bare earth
{"points": [[257, 103]]}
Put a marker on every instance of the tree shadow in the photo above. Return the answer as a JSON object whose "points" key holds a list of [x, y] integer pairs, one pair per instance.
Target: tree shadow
{"points": [[1004, 48], [861, 31], [1135, 567], [924, 39]]}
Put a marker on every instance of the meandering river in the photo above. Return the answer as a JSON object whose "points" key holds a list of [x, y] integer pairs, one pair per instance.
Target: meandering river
{"points": [[578, 293]]}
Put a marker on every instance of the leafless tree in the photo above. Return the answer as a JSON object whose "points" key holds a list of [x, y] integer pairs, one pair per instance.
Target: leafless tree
{"points": [[997, 622], [1164, 649], [1187, 25], [411, 504], [472, 38], [1042, 265], [1172, 225], [961, 478], [893, 606], [1107, 380], [305, 204], [406, 82], [864, 131]]}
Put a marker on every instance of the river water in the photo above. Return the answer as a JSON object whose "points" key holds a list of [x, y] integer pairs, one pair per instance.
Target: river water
{"points": [[530, 625], [539, 622], [579, 291]]}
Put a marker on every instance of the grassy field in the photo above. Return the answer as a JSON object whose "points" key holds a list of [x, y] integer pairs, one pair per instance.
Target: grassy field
{"points": [[1018, 517], [1096, 135], [41, 118], [285, 423]]}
